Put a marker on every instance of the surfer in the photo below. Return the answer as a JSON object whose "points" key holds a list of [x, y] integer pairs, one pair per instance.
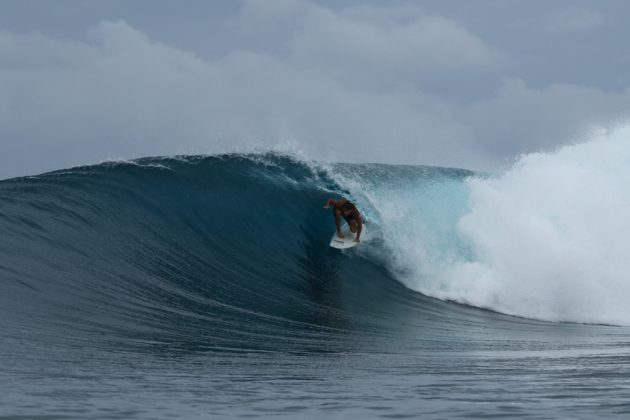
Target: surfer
{"points": [[344, 208]]}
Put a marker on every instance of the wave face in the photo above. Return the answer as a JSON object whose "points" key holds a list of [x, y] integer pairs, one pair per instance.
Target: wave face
{"points": [[226, 253]]}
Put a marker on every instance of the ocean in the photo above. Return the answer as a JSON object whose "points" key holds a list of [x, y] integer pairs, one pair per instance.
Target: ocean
{"points": [[204, 287]]}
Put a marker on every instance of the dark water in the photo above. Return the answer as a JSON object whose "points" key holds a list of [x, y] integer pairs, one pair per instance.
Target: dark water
{"points": [[204, 286]]}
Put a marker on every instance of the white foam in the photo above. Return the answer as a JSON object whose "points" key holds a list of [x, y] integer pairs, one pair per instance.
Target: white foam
{"points": [[548, 239]]}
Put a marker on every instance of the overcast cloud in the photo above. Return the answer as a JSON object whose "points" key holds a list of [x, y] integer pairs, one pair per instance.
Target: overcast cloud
{"points": [[81, 82]]}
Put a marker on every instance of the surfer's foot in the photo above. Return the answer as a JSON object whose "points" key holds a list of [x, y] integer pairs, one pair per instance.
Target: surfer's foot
{"points": [[340, 235]]}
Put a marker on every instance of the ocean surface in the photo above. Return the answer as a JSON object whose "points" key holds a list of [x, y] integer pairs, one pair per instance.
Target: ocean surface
{"points": [[204, 287]]}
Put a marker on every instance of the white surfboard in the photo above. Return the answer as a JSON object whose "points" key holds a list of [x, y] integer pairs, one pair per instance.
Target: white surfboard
{"points": [[348, 241]]}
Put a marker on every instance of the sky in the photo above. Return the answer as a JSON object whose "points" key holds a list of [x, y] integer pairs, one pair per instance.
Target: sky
{"points": [[468, 84]]}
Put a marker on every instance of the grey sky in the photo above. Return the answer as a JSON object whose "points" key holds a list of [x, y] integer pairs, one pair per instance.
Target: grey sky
{"points": [[458, 83]]}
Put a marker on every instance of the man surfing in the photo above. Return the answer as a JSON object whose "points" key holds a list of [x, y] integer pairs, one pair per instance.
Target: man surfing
{"points": [[344, 208]]}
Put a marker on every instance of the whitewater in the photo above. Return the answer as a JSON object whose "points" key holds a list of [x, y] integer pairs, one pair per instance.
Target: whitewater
{"points": [[197, 286], [546, 239]]}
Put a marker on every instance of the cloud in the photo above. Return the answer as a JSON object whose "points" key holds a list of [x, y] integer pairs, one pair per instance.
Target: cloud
{"points": [[424, 45], [572, 20], [520, 119], [371, 45], [346, 85]]}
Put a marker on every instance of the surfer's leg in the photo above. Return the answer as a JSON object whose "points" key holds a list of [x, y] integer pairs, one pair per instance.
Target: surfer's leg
{"points": [[338, 224], [353, 225]]}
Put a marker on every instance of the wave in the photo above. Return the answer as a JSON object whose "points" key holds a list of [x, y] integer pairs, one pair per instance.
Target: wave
{"points": [[219, 253], [231, 252]]}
